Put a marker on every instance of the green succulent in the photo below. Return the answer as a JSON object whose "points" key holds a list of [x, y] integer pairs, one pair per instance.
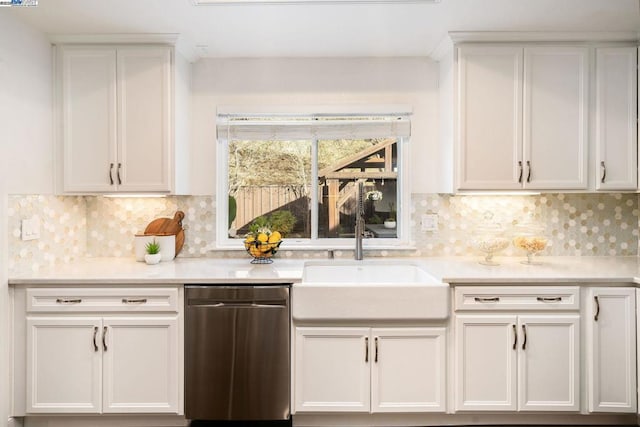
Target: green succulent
{"points": [[153, 247]]}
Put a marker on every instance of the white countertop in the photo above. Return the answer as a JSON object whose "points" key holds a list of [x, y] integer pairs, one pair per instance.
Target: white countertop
{"points": [[454, 270]]}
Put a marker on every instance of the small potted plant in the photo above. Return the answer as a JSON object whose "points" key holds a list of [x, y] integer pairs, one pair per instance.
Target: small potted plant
{"points": [[153, 255], [390, 222]]}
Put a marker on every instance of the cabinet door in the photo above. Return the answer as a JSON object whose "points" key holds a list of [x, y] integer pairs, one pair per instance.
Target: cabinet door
{"points": [[64, 365], [549, 363], [611, 331], [616, 114], [408, 370], [88, 115], [141, 365], [555, 117], [144, 97], [332, 369], [485, 363], [489, 119]]}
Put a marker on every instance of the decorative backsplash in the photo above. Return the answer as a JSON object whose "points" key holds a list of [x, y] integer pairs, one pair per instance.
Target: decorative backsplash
{"points": [[78, 226]]}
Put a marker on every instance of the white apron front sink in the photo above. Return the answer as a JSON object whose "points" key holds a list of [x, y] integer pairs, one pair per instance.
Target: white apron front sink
{"points": [[369, 290]]}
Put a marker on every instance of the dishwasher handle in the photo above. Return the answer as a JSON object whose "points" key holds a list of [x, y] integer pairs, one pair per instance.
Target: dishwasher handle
{"points": [[236, 304]]}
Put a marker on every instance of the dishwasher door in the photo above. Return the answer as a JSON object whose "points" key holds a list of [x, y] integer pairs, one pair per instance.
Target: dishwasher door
{"points": [[237, 363]]}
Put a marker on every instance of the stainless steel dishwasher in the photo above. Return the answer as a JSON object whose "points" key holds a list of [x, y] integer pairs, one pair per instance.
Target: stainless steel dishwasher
{"points": [[237, 363]]}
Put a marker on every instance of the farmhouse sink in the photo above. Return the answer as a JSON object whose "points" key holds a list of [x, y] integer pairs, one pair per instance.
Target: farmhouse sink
{"points": [[369, 290]]}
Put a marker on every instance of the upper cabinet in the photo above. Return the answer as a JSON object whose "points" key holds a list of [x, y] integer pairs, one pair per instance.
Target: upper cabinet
{"points": [[115, 118], [522, 117], [616, 110]]}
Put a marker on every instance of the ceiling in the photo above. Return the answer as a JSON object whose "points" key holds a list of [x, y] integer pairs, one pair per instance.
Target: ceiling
{"points": [[320, 30]]}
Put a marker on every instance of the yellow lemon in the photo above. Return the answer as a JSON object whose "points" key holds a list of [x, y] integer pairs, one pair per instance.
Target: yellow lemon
{"points": [[275, 237], [262, 237]]}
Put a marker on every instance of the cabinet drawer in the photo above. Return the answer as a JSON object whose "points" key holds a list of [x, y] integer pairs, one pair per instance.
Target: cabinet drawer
{"points": [[101, 299], [517, 297]]}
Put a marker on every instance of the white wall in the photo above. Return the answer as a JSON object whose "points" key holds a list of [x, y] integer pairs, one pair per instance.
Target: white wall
{"points": [[27, 92], [315, 81], [26, 149]]}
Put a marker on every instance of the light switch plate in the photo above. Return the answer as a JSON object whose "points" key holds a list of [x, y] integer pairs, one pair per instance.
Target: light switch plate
{"points": [[429, 222], [30, 228]]}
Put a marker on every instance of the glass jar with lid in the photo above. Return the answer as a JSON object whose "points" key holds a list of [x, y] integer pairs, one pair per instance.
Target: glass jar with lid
{"points": [[530, 236], [489, 238]]}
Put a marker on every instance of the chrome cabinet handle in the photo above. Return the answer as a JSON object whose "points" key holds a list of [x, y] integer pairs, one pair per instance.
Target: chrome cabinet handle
{"points": [[376, 355], [528, 171], [597, 308], [95, 333], [524, 343], [111, 174], [118, 173], [486, 299], [366, 349], [104, 338], [515, 336], [549, 299], [520, 175], [134, 300], [68, 301], [604, 172]]}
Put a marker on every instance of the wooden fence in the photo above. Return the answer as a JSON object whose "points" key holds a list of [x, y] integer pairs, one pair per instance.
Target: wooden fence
{"points": [[254, 201]]}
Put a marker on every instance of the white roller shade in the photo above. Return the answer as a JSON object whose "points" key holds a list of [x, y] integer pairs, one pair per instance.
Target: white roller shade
{"points": [[232, 127]]}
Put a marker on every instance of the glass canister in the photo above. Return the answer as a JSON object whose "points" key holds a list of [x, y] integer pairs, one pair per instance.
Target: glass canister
{"points": [[489, 238], [529, 236]]}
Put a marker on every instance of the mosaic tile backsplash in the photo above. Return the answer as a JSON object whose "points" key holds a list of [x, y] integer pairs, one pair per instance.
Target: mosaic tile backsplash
{"points": [[75, 227]]}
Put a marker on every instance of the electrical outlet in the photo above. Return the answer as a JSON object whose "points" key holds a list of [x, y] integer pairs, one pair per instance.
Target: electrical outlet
{"points": [[30, 229], [429, 222]]}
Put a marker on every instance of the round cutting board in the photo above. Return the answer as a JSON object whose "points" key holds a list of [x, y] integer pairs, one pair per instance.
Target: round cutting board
{"points": [[168, 226]]}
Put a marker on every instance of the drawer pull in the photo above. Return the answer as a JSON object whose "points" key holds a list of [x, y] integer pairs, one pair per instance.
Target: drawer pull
{"points": [[95, 333], [104, 338], [515, 336], [134, 300], [68, 301], [597, 308], [549, 299], [487, 299], [524, 343], [366, 349]]}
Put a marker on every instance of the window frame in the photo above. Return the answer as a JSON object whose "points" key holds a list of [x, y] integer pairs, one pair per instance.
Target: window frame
{"points": [[224, 242]]}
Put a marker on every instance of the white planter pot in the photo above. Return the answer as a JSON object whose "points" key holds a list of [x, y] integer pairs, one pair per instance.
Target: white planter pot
{"points": [[167, 246], [152, 259], [389, 224]]}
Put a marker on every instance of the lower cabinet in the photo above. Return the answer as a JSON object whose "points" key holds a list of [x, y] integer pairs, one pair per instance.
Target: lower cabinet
{"points": [[359, 369], [611, 363], [124, 359], [510, 362], [517, 348]]}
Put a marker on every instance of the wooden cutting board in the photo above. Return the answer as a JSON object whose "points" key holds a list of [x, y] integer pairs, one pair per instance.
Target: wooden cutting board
{"points": [[168, 226]]}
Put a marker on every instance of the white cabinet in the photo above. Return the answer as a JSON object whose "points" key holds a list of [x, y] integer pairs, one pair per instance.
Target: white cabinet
{"points": [[123, 358], [345, 369], [611, 339], [490, 138], [522, 118], [63, 365], [115, 118], [517, 361], [616, 112]]}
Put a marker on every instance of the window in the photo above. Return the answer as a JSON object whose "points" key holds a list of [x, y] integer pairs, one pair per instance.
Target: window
{"points": [[301, 174]]}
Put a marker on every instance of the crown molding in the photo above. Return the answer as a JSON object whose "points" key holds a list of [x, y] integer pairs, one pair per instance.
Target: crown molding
{"points": [[444, 46], [543, 36], [148, 38]]}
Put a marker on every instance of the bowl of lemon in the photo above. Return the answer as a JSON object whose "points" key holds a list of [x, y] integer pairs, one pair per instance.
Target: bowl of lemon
{"points": [[262, 245]]}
